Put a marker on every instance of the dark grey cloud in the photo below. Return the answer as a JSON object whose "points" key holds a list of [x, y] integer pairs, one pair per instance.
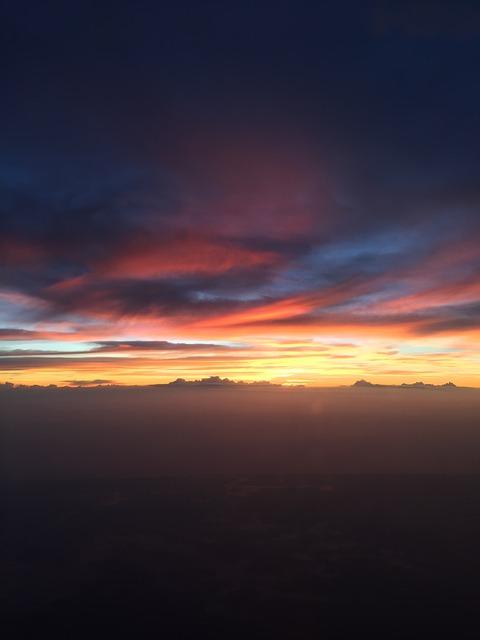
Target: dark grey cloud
{"points": [[20, 363], [154, 345], [115, 346], [26, 353], [7, 333], [87, 383], [452, 318], [129, 297]]}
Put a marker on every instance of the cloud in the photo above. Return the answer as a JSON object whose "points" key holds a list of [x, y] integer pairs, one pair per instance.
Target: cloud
{"points": [[452, 319], [216, 381], [179, 253], [130, 298], [118, 347], [113, 346], [7, 333], [9, 353], [61, 362], [403, 385], [88, 383]]}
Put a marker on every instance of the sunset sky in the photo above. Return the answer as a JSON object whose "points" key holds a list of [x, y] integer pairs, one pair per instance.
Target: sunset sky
{"points": [[282, 191]]}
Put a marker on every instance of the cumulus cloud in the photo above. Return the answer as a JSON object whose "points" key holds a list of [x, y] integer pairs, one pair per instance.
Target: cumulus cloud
{"points": [[216, 381]]}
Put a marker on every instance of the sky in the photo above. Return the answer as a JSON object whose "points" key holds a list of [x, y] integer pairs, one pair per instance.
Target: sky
{"points": [[282, 191]]}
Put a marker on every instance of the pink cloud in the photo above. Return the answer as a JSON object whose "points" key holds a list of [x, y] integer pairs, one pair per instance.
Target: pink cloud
{"points": [[179, 253]]}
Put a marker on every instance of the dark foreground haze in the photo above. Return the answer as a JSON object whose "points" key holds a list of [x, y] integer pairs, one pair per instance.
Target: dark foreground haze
{"points": [[62, 433], [244, 512]]}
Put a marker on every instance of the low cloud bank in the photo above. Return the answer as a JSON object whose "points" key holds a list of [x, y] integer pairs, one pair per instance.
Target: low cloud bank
{"points": [[199, 428], [415, 385], [216, 381]]}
